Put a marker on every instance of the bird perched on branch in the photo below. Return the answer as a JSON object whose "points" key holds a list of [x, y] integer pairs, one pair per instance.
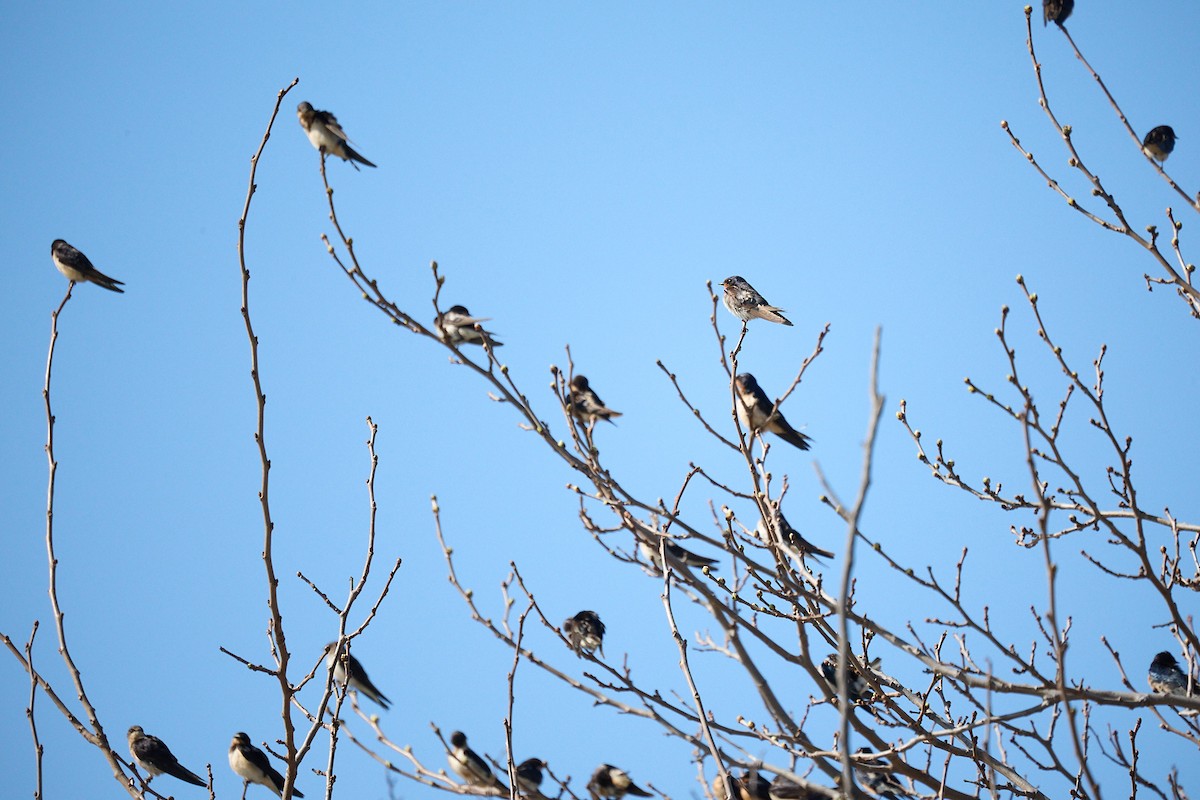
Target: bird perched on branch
{"points": [[754, 412], [343, 663], [789, 538], [1159, 143], [252, 766], [858, 690], [676, 553], [529, 776], [467, 764], [876, 776], [752, 785], [610, 781], [457, 326], [327, 135], [1056, 11], [585, 632], [1165, 676], [745, 303], [586, 405], [78, 269], [152, 754]]}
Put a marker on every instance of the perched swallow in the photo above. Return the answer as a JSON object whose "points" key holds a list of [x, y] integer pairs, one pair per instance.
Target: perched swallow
{"points": [[529, 776], [467, 764], [752, 785], [677, 554], [152, 755], [1056, 11], [609, 781], [787, 789], [457, 326], [1158, 144], [754, 412], [857, 688], [586, 405], [327, 135], [745, 303], [586, 632], [78, 269], [358, 679], [1165, 676], [790, 538], [876, 776], [253, 766]]}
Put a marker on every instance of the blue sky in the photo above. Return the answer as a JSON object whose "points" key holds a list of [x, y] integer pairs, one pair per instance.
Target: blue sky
{"points": [[578, 171]]}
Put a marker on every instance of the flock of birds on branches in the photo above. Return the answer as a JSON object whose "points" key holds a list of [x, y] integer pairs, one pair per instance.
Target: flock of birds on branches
{"points": [[585, 631]]}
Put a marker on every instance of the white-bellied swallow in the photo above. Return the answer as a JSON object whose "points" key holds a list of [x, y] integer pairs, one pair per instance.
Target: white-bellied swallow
{"points": [[1165, 675], [676, 553], [78, 269], [585, 631], [457, 326], [610, 781], [745, 303], [152, 755], [1158, 144], [529, 776], [252, 766], [789, 538], [751, 785], [876, 776], [327, 135], [468, 765], [586, 405], [858, 690], [357, 679], [754, 412], [1056, 11]]}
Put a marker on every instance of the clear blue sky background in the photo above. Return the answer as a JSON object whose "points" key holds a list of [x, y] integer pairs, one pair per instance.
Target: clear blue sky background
{"points": [[579, 171]]}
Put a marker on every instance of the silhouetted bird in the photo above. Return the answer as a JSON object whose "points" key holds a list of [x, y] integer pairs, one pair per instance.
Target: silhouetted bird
{"points": [[610, 781], [1165, 675], [586, 632], [78, 269], [745, 303], [358, 679], [457, 326], [585, 405], [754, 412], [676, 553], [327, 135], [1056, 11], [252, 766], [1159, 143], [152, 755]]}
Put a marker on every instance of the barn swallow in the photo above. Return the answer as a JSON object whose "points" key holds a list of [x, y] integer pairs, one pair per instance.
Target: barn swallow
{"points": [[1158, 144], [752, 785], [857, 688], [790, 538], [467, 764], [457, 326], [327, 135], [1165, 676], [358, 679], [152, 755], [529, 776], [78, 269], [876, 776], [1056, 11], [586, 632], [745, 303], [609, 781], [754, 412], [252, 766], [585, 405], [677, 554]]}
